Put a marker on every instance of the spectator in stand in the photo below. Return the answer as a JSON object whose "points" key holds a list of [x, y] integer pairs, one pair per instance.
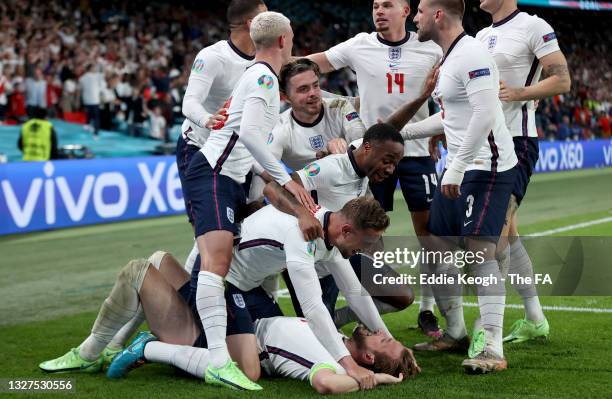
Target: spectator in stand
{"points": [[136, 113], [36, 92], [604, 125], [563, 131], [157, 124], [5, 90], [91, 89]]}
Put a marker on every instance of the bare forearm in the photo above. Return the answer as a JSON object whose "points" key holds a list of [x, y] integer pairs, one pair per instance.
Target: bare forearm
{"points": [[342, 383], [548, 87], [282, 199]]}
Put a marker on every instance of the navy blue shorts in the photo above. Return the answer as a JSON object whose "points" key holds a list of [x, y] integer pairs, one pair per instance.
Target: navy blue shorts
{"points": [[329, 294], [216, 202], [527, 151], [243, 308], [184, 153], [481, 209], [418, 180]]}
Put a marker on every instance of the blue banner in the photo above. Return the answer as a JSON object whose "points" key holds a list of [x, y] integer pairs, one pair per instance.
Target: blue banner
{"points": [[49, 195], [556, 156]]}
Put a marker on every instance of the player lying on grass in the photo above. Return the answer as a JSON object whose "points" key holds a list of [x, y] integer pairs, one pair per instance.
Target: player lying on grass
{"points": [[158, 290]]}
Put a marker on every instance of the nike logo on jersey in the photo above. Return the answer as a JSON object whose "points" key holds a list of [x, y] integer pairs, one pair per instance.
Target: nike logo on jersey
{"points": [[393, 65]]}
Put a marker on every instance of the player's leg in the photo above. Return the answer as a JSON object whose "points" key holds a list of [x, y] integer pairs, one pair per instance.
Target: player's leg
{"points": [[418, 181]]}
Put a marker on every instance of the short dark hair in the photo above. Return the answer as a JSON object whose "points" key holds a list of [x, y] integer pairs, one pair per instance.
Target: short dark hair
{"points": [[453, 7], [382, 132], [239, 11], [296, 67], [366, 213]]}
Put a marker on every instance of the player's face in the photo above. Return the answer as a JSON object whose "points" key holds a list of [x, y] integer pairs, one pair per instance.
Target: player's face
{"points": [[353, 240], [382, 159], [288, 46], [389, 14], [424, 20], [304, 93], [377, 343], [491, 6]]}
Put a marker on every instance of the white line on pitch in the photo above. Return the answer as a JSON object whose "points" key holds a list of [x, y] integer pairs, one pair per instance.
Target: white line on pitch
{"points": [[284, 293], [571, 227]]}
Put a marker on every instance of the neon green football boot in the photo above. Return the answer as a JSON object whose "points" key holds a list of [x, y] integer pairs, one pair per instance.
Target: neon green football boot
{"points": [[477, 344], [525, 330], [230, 376], [72, 362], [109, 354]]}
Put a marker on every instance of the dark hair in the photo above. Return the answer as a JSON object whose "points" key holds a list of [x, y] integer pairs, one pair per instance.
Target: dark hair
{"points": [[382, 132], [239, 11], [366, 213], [453, 7], [296, 67]]}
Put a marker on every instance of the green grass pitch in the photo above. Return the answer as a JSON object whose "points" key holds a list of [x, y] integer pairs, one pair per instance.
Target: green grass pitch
{"points": [[52, 284]]}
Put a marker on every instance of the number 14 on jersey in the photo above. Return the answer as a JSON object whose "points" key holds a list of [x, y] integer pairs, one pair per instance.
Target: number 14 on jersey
{"points": [[395, 79]]}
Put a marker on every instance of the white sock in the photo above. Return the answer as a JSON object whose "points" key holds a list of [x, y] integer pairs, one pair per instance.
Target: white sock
{"points": [[118, 309], [491, 301], [450, 301], [346, 315], [187, 358], [503, 258], [210, 299], [520, 264], [427, 297]]}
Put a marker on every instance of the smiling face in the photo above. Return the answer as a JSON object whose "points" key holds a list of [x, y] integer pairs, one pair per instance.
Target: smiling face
{"points": [[304, 93], [382, 157], [389, 14]]}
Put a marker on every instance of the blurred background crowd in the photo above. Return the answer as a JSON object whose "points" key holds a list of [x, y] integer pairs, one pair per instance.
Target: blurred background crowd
{"points": [[125, 65]]}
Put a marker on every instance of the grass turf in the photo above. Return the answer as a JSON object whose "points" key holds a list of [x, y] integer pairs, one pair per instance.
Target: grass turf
{"points": [[52, 284]]}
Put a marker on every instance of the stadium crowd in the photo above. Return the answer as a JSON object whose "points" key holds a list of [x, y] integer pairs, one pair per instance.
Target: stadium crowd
{"points": [[126, 64]]}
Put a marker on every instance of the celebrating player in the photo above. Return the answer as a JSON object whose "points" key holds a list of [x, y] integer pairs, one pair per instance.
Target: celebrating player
{"points": [[474, 193], [215, 175], [391, 67], [523, 47]]}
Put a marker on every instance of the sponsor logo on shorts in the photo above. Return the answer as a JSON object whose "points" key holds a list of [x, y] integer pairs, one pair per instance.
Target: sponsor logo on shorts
{"points": [[312, 169], [351, 116], [265, 81], [198, 65], [311, 247], [479, 72], [467, 222], [239, 301], [492, 42], [549, 36], [316, 142], [230, 214]]}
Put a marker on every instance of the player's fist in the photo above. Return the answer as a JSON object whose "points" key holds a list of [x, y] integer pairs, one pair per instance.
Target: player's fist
{"points": [[364, 377], [508, 93], [451, 183], [337, 146], [310, 226]]}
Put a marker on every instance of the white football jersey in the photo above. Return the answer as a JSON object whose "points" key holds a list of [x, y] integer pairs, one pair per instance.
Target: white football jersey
{"points": [[389, 74], [288, 348], [217, 68], [334, 180], [467, 69], [223, 149], [297, 143], [517, 43], [269, 239]]}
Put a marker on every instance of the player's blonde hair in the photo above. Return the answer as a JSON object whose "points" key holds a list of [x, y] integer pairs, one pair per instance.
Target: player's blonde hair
{"points": [[267, 27], [366, 213]]}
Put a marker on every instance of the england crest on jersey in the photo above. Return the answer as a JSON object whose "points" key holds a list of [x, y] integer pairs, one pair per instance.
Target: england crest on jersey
{"points": [[316, 142], [492, 42], [395, 53]]}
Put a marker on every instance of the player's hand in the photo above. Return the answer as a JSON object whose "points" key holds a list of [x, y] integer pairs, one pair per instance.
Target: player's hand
{"points": [[321, 154], [302, 196], [434, 148], [430, 82], [382, 378], [365, 378], [217, 121], [451, 183], [310, 226], [337, 146], [509, 93]]}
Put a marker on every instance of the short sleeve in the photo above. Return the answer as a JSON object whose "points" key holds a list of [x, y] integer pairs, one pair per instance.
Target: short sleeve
{"points": [[340, 55], [318, 174], [542, 38], [477, 71]]}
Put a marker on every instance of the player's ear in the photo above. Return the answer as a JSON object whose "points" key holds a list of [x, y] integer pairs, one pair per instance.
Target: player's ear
{"points": [[281, 41], [368, 358]]}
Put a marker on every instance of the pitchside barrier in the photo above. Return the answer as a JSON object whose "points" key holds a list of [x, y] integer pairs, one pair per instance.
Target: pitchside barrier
{"points": [[38, 196]]}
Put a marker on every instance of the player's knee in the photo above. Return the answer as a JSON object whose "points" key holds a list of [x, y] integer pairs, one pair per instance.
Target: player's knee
{"points": [[401, 302], [134, 273], [252, 371], [157, 258]]}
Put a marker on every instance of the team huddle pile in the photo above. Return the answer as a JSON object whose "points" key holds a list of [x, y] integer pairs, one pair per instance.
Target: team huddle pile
{"points": [[216, 317]]}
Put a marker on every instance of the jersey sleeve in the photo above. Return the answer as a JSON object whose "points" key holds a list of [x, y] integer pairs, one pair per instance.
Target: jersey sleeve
{"points": [[262, 85], [278, 140], [476, 71], [542, 38], [340, 55], [204, 71], [352, 125], [318, 174]]}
